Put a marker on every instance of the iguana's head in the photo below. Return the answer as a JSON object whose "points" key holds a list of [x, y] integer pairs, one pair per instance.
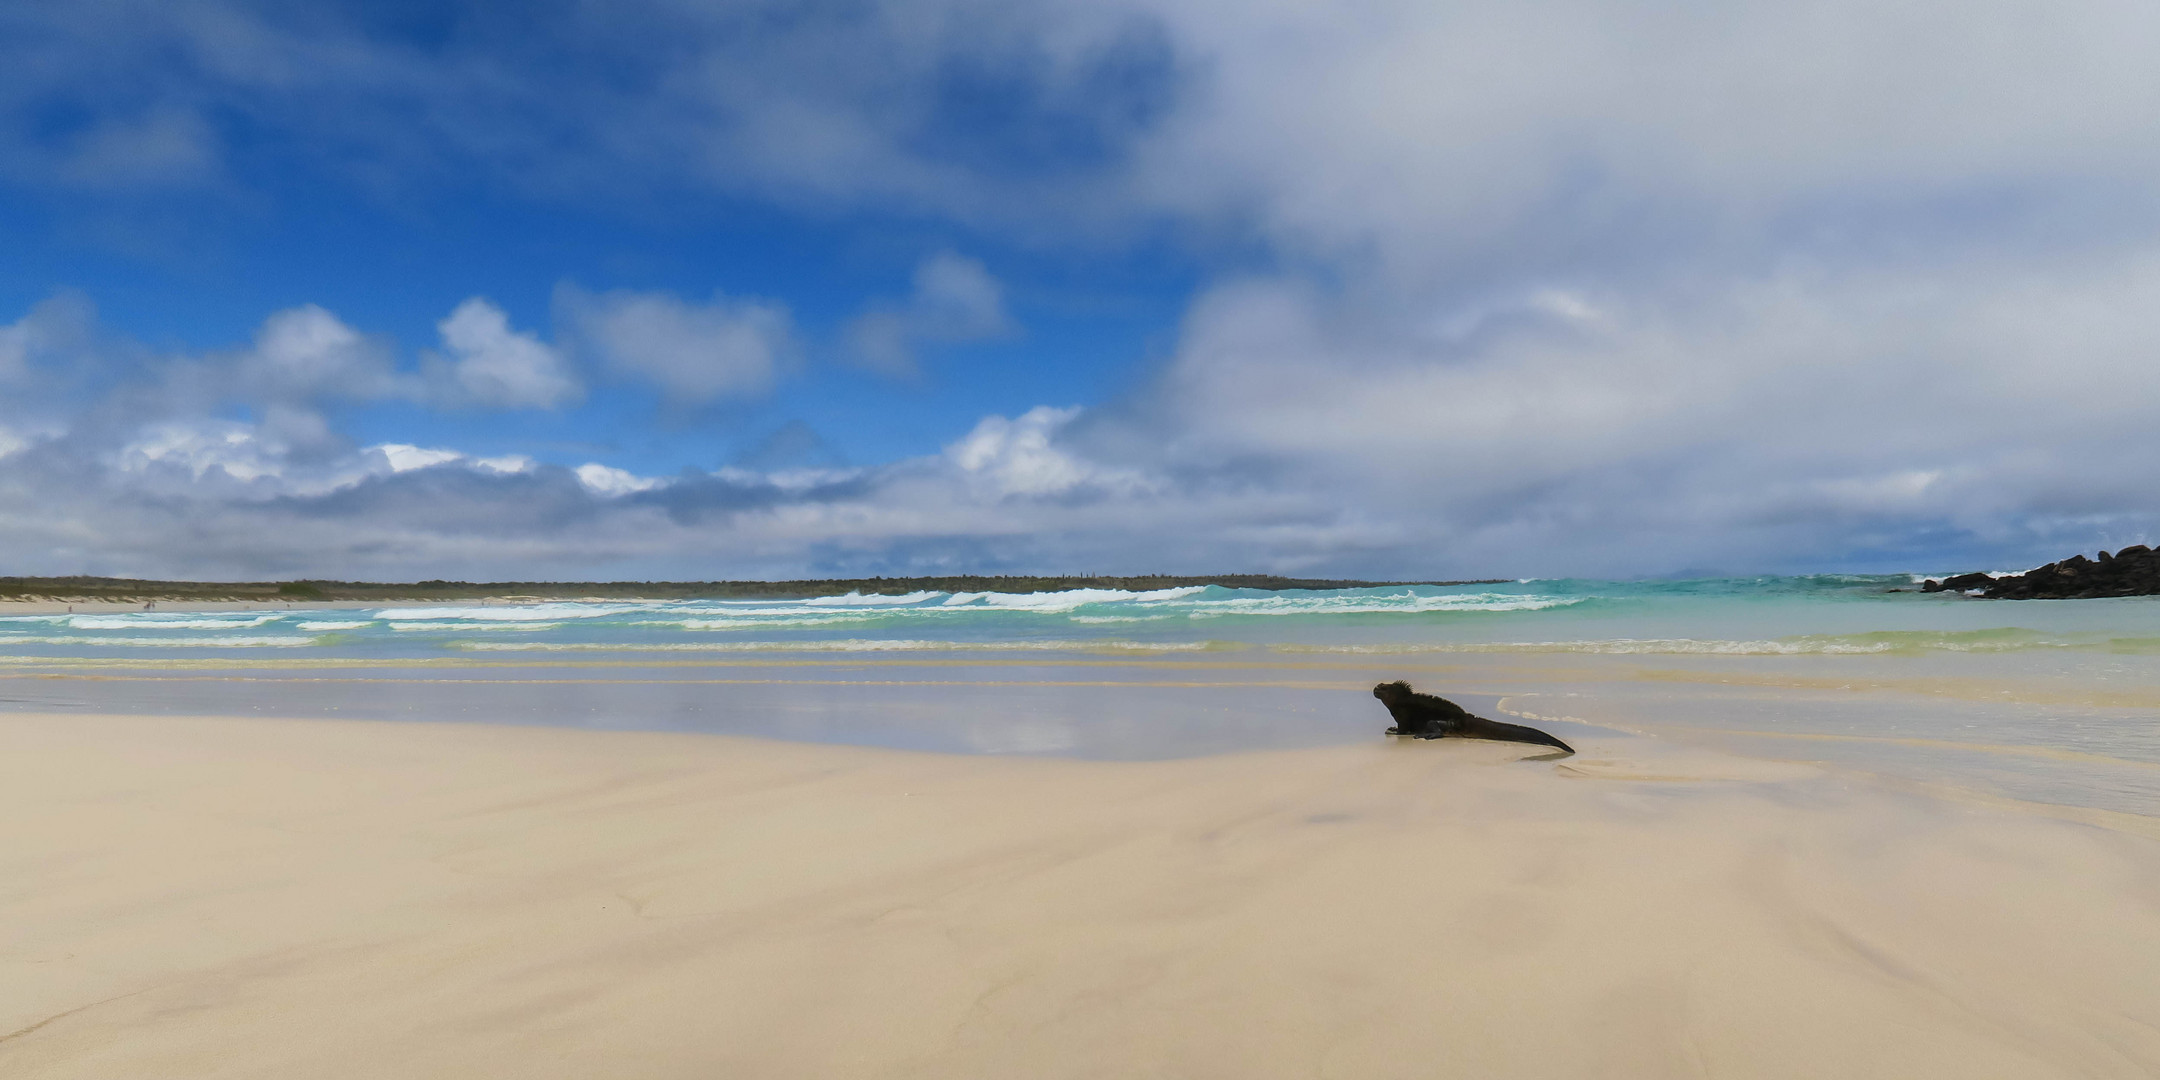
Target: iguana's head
{"points": [[1392, 692]]}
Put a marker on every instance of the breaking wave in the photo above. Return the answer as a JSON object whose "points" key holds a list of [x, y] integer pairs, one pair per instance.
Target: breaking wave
{"points": [[1761, 616]]}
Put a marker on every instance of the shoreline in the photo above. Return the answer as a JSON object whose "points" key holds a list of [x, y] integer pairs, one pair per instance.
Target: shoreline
{"points": [[187, 896]]}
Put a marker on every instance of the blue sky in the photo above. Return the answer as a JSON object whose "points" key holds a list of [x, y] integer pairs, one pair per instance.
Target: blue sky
{"points": [[693, 290]]}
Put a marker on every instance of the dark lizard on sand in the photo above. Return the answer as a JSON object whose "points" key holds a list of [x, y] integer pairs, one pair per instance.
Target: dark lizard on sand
{"points": [[1423, 716]]}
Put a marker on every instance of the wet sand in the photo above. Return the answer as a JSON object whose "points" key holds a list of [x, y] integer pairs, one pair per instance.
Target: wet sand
{"points": [[188, 896]]}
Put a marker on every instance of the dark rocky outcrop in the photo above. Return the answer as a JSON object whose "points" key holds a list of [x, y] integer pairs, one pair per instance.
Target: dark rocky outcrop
{"points": [[1423, 716], [2133, 571]]}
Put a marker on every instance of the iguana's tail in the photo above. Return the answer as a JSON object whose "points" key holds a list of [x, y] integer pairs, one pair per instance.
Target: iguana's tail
{"points": [[1477, 727]]}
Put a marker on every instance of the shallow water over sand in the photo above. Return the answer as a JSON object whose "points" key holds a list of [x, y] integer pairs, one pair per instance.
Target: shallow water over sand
{"points": [[2043, 737]]}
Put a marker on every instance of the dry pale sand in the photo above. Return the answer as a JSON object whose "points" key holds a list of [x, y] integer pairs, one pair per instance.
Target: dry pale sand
{"points": [[246, 898]]}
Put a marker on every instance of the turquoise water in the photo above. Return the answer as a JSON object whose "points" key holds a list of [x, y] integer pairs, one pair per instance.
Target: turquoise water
{"points": [[2044, 701], [1827, 615]]}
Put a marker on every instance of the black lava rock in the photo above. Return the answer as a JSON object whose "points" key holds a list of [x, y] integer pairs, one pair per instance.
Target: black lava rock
{"points": [[2132, 571]]}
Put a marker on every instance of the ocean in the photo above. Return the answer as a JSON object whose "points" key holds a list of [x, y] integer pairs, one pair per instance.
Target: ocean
{"points": [[2044, 701]]}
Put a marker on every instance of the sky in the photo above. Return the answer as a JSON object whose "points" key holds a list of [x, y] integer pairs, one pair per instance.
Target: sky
{"points": [[671, 289]]}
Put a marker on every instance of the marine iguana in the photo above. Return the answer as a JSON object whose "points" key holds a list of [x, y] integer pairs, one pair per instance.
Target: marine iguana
{"points": [[1423, 716]]}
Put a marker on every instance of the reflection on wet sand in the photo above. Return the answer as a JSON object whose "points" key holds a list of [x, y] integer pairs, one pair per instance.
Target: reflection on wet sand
{"points": [[2028, 729]]}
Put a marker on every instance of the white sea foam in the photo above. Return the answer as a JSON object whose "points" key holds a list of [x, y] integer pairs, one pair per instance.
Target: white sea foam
{"points": [[796, 622], [856, 614], [1042, 601], [1389, 603], [484, 627], [857, 599], [1101, 604], [676, 615], [1171, 594], [1068, 599], [336, 625], [551, 612]]}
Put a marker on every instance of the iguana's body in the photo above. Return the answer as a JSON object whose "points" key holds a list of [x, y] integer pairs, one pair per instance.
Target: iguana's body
{"points": [[1423, 716]]}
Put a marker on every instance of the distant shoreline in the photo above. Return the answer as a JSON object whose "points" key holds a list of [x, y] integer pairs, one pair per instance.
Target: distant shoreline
{"points": [[92, 590]]}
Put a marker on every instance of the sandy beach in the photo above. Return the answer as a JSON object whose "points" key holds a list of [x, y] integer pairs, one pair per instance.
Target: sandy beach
{"points": [[214, 897]]}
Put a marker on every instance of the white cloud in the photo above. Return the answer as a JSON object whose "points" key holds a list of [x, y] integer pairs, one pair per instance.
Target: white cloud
{"points": [[506, 464], [695, 352], [491, 365], [307, 352], [48, 330], [405, 457], [1020, 456], [1764, 421], [957, 299], [954, 300], [1749, 423], [1444, 138], [1433, 132], [610, 481], [231, 448]]}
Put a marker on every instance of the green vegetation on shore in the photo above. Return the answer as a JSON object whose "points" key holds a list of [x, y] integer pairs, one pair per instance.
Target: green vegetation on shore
{"points": [[85, 589]]}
